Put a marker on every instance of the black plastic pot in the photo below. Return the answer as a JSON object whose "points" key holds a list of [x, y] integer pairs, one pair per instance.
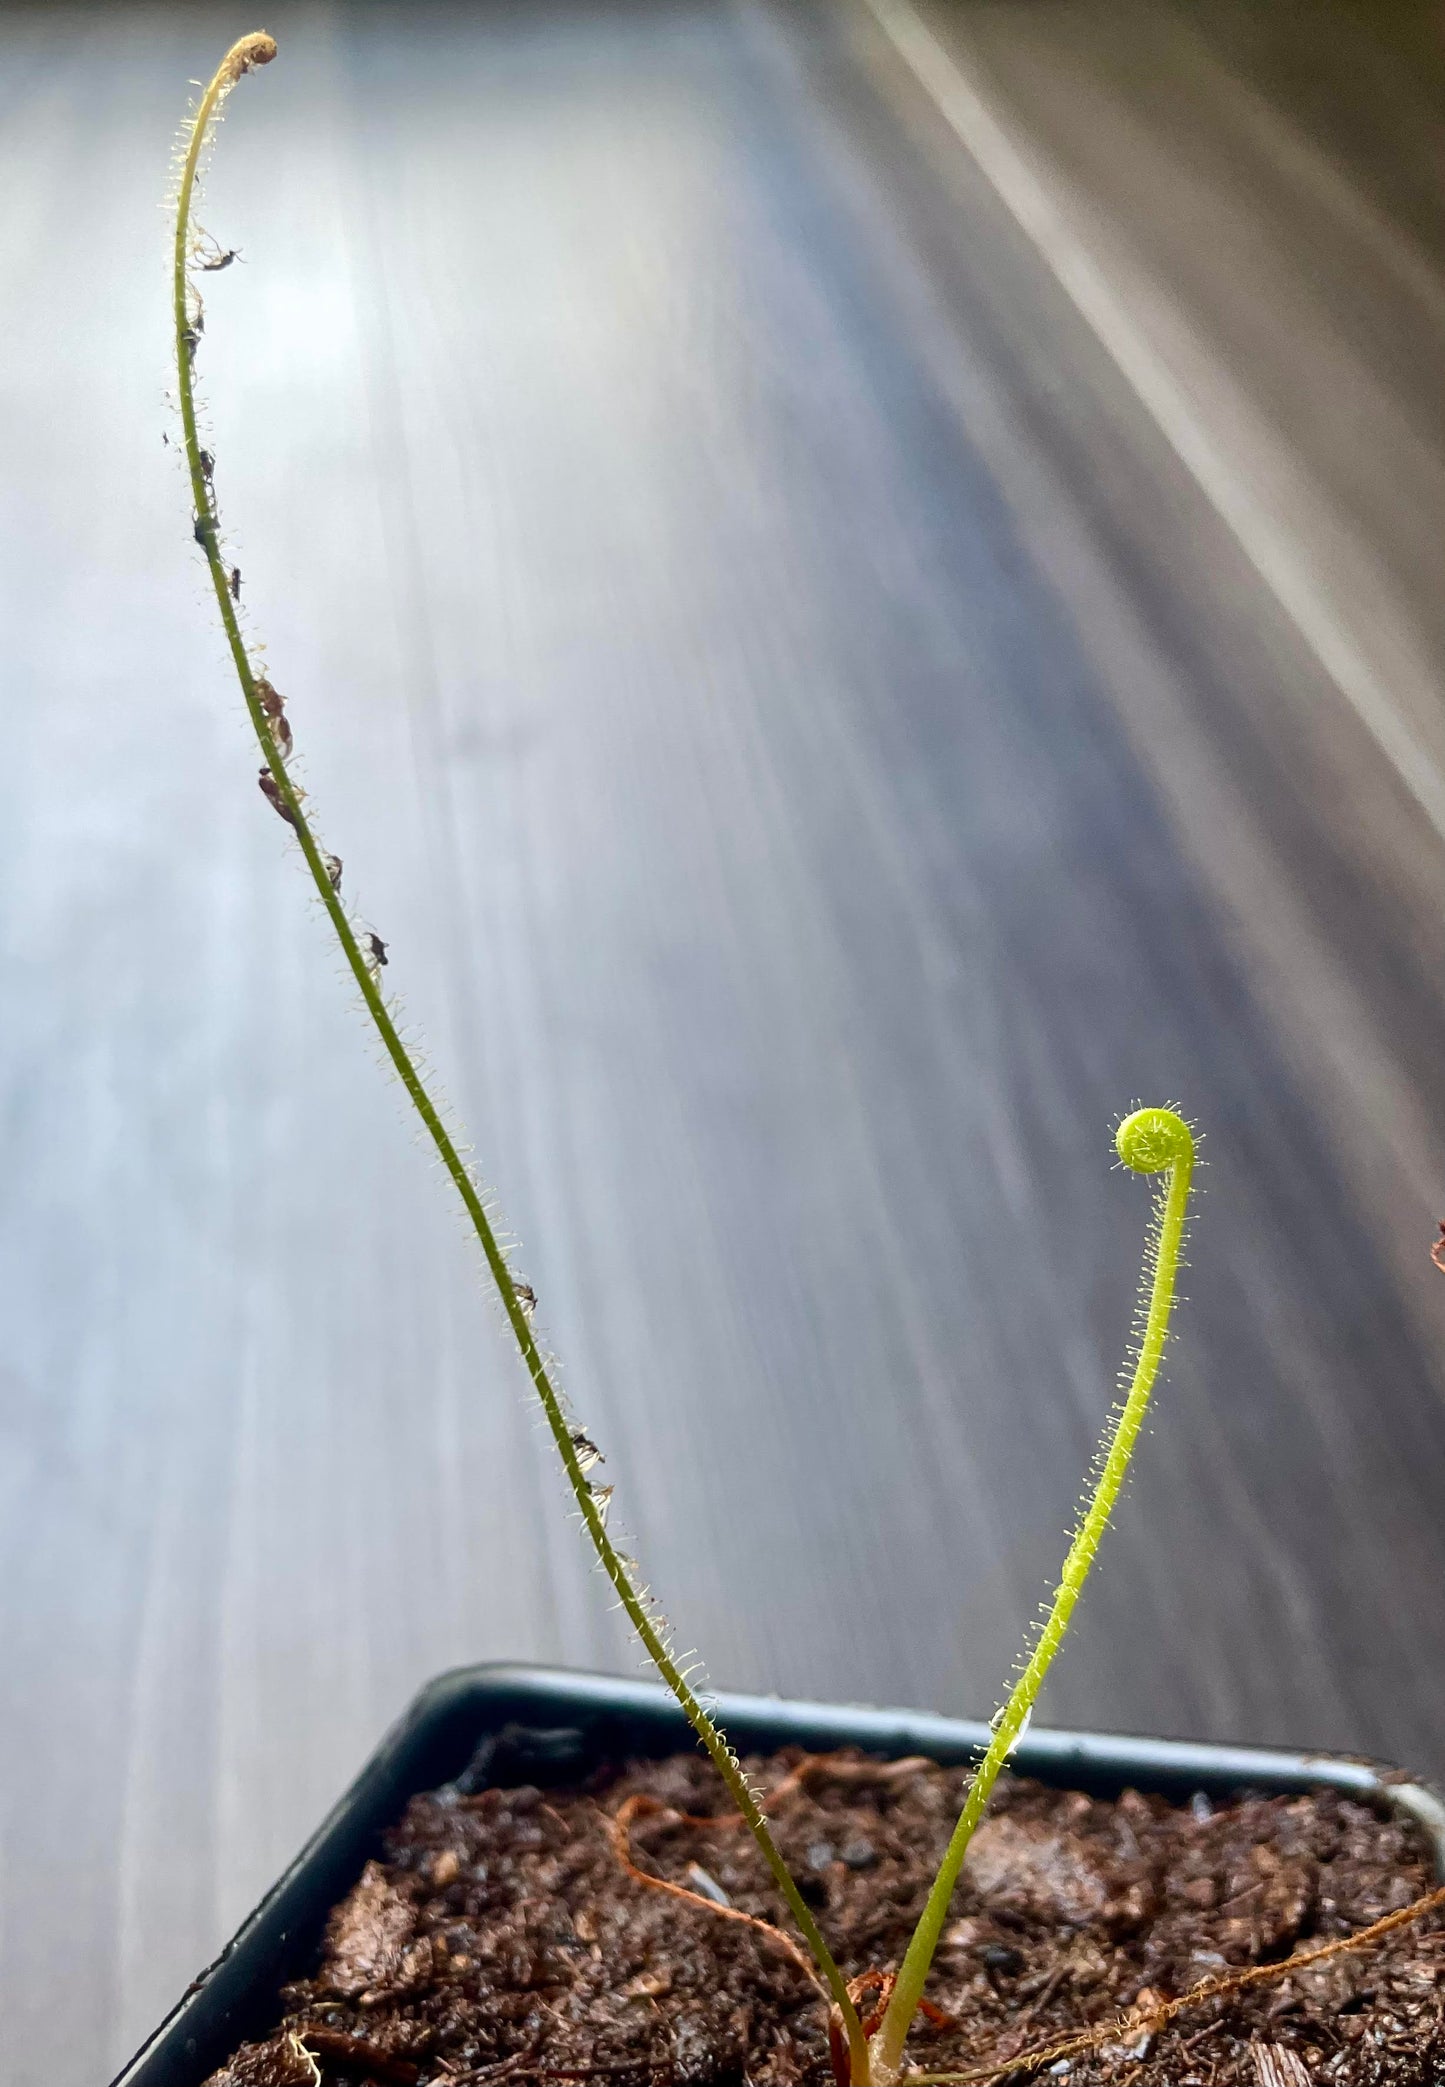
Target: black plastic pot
{"points": [[537, 1724]]}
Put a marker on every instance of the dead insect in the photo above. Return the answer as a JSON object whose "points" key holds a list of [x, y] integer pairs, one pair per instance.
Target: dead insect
{"points": [[1437, 1251], [274, 705], [220, 260], [202, 531], [526, 1296], [208, 465], [375, 947], [588, 1453], [191, 340], [271, 791], [332, 866], [235, 583]]}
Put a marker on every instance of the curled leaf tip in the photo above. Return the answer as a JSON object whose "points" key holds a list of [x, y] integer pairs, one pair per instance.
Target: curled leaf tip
{"points": [[259, 48], [1151, 1139]]}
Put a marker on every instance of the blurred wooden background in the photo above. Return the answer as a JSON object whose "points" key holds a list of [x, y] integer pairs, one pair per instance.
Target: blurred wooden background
{"points": [[819, 745]]}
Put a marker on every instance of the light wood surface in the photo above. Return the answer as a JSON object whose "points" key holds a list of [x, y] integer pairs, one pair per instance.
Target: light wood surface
{"points": [[817, 755]]}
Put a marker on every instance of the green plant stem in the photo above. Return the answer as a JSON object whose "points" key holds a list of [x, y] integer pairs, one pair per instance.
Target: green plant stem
{"points": [[1148, 1141], [249, 51]]}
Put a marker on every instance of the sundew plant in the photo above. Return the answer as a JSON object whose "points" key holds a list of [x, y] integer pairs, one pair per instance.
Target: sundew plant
{"points": [[869, 2048]]}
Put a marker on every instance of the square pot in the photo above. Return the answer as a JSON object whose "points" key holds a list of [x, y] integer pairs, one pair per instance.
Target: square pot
{"points": [[539, 1724]]}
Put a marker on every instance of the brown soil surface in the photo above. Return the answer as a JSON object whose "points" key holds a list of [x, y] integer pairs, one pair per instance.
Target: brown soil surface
{"points": [[503, 1941]]}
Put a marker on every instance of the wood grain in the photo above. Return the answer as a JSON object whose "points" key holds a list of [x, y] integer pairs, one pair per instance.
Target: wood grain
{"points": [[816, 757]]}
